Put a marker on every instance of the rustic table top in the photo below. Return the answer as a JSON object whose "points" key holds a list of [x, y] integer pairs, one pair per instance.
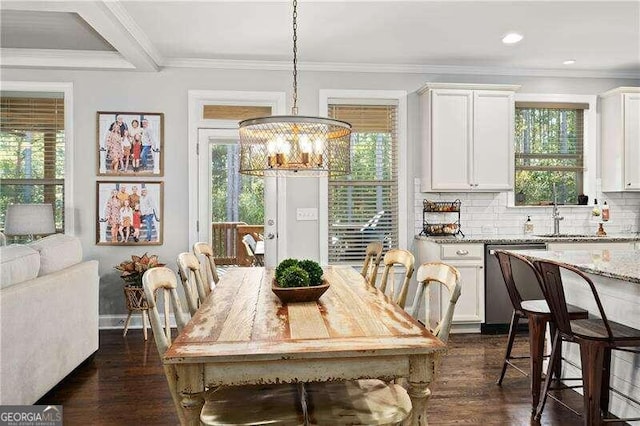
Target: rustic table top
{"points": [[243, 320]]}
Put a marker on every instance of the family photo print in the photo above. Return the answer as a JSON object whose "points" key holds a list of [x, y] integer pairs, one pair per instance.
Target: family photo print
{"points": [[130, 143], [129, 213]]}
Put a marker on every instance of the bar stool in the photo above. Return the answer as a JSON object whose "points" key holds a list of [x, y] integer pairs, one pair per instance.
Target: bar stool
{"points": [[538, 315], [597, 337]]}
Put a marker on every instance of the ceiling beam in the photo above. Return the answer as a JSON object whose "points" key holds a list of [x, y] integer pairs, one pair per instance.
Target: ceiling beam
{"points": [[67, 59], [111, 21]]}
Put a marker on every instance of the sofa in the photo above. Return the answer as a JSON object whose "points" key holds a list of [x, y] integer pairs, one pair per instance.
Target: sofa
{"points": [[48, 315]]}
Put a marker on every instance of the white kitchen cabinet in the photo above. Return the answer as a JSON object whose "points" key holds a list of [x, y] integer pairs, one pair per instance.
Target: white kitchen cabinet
{"points": [[468, 259], [467, 137], [620, 139]]}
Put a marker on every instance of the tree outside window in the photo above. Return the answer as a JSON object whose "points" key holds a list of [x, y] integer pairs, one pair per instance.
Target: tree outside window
{"points": [[549, 142]]}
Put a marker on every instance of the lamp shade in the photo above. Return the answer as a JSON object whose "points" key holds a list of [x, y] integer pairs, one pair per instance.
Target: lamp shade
{"points": [[29, 219]]}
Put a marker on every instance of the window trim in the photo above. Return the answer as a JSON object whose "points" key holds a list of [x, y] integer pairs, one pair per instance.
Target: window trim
{"points": [[371, 97], [66, 88], [590, 141]]}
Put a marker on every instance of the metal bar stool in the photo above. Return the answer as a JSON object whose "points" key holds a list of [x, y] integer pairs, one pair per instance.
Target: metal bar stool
{"points": [[538, 315], [597, 337]]}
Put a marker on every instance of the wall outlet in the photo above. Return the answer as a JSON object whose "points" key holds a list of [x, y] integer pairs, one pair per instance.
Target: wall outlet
{"points": [[307, 214]]}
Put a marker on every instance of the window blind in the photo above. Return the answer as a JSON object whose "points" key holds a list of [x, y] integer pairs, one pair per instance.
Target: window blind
{"points": [[32, 152], [363, 206]]}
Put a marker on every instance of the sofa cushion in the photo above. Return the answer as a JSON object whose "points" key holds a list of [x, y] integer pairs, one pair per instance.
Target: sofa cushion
{"points": [[57, 252], [18, 263]]}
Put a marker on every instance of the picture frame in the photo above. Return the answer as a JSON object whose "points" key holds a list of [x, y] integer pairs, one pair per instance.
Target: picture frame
{"points": [[119, 222], [130, 143]]}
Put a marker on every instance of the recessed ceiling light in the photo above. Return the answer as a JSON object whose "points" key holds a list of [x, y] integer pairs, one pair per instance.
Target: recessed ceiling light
{"points": [[569, 62], [512, 38]]}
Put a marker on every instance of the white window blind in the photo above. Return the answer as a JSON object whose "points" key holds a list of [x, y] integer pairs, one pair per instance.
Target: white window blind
{"points": [[32, 152], [549, 148], [363, 206]]}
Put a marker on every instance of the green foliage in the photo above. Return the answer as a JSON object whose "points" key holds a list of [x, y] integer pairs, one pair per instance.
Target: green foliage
{"points": [[234, 197], [313, 269], [548, 146], [294, 276], [282, 266]]}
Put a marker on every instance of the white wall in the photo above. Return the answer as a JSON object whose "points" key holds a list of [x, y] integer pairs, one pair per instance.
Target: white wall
{"points": [[166, 91]]}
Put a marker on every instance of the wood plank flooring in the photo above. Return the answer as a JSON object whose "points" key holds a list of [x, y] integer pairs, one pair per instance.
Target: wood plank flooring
{"points": [[124, 385]]}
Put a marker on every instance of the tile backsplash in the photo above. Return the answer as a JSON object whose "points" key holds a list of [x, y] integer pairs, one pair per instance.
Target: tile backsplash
{"points": [[487, 213]]}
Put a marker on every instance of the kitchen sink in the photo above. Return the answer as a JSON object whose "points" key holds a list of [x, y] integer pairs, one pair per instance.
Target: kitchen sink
{"points": [[565, 235]]}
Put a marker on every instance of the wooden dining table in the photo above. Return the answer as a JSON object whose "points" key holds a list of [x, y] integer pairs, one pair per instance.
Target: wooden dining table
{"points": [[242, 334]]}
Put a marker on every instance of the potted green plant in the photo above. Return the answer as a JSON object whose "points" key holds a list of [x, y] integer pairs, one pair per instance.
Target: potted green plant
{"points": [[299, 281], [132, 272]]}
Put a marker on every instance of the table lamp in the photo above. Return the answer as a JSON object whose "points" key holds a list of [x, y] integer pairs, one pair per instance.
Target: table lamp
{"points": [[29, 219]]}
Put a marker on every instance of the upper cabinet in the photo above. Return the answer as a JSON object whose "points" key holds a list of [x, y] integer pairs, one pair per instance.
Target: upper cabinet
{"points": [[467, 134], [620, 139]]}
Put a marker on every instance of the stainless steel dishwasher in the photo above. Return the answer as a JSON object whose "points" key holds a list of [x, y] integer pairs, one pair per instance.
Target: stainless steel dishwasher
{"points": [[498, 308]]}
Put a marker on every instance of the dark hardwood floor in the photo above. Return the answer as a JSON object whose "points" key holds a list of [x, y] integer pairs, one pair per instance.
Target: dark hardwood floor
{"points": [[123, 384]]}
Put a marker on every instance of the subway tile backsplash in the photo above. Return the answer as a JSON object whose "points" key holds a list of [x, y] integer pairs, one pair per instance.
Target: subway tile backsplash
{"points": [[487, 213]]}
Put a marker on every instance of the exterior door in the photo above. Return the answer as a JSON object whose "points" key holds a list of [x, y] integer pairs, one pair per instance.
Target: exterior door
{"points": [[227, 198]]}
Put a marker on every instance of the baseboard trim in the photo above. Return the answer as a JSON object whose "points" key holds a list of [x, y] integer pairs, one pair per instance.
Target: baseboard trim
{"points": [[110, 322]]}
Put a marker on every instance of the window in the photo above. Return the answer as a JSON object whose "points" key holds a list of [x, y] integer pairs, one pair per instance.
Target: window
{"points": [[32, 151], [363, 206], [549, 149]]}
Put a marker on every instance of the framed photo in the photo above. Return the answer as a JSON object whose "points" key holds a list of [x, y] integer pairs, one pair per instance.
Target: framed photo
{"points": [[130, 143], [129, 213]]}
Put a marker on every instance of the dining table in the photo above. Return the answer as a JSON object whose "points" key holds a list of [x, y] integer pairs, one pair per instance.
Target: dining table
{"points": [[242, 334]]}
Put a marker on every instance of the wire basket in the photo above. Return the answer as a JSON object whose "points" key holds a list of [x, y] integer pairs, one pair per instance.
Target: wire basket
{"points": [[442, 206]]}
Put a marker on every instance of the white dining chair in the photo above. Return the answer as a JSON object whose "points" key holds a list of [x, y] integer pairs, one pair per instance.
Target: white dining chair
{"points": [[373, 255], [241, 405], [195, 289]]}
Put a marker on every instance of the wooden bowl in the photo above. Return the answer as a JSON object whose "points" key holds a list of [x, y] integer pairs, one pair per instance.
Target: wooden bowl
{"points": [[299, 294]]}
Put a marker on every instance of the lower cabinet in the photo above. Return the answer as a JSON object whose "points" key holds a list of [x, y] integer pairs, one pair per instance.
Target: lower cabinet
{"points": [[468, 259]]}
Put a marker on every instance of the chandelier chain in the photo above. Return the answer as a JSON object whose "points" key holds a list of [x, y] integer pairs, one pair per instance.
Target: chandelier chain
{"points": [[294, 109]]}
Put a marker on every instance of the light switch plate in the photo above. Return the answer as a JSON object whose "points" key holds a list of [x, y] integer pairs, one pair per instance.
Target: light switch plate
{"points": [[307, 214]]}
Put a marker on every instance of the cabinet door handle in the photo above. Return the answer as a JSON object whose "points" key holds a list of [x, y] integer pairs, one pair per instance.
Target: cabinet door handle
{"points": [[462, 252], [629, 184]]}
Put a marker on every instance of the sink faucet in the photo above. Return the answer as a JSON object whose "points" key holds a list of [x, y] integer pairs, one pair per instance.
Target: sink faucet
{"points": [[556, 214]]}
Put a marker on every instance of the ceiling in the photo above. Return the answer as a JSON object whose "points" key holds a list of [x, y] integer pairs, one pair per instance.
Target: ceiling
{"points": [[603, 37]]}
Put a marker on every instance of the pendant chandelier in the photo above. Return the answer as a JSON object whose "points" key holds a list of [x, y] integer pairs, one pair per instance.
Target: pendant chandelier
{"points": [[292, 144]]}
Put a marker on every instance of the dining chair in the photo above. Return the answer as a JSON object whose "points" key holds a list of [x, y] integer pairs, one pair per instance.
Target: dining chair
{"points": [[391, 259], [195, 289], [201, 249], [597, 337], [519, 271], [373, 255], [249, 248], [365, 401], [448, 277], [242, 405]]}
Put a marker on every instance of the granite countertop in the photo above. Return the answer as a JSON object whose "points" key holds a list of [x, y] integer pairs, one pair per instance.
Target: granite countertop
{"points": [[520, 239], [619, 264]]}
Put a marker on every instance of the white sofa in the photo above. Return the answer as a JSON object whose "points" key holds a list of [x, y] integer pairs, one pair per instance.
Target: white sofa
{"points": [[48, 315]]}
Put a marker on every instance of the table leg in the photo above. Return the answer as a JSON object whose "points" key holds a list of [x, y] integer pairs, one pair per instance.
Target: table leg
{"points": [[192, 404], [421, 372]]}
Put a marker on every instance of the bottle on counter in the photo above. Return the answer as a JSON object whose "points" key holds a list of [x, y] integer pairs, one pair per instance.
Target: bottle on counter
{"points": [[596, 209], [528, 226], [605, 212]]}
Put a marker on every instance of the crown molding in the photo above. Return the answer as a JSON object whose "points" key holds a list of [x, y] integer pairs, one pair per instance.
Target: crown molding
{"points": [[392, 68], [53, 58]]}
